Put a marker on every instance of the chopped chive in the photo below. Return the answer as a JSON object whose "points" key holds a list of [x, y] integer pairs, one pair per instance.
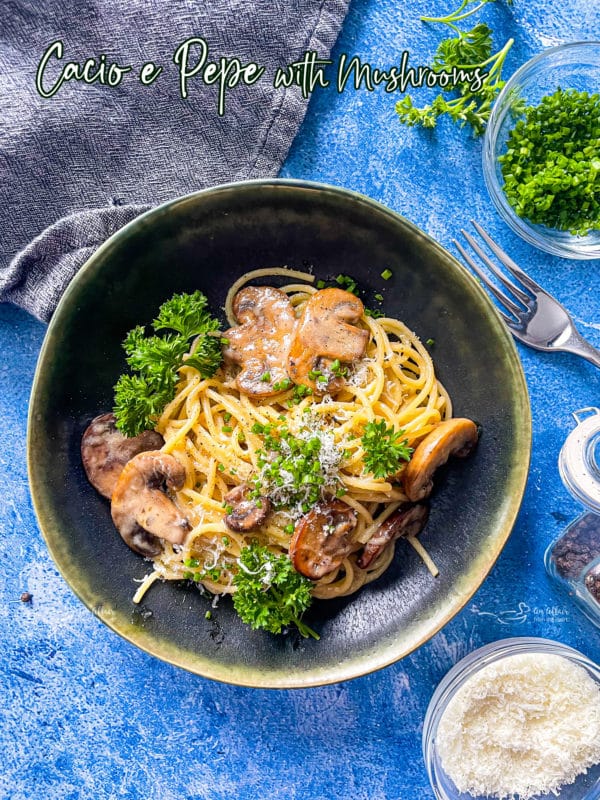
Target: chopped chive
{"points": [[374, 313], [386, 274]]}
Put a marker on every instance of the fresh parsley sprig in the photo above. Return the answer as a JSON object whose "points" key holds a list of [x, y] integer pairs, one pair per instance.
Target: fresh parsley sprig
{"points": [[385, 449], [270, 594], [469, 51], [155, 359]]}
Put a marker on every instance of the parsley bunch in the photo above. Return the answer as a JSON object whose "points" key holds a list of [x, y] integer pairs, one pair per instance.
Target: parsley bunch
{"points": [[270, 594], [141, 397], [469, 51], [384, 448], [551, 167]]}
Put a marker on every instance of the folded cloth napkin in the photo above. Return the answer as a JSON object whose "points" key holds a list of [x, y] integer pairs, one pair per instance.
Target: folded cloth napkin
{"points": [[77, 166]]}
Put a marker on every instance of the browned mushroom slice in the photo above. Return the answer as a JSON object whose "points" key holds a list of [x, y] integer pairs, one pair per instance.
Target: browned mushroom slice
{"points": [[452, 437], [248, 513], [326, 333], [321, 539], [261, 343], [140, 501], [407, 520], [105, 451]]}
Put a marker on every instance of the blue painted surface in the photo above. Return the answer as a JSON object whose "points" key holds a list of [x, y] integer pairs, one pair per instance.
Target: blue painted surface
{"points": [[86, 715]]}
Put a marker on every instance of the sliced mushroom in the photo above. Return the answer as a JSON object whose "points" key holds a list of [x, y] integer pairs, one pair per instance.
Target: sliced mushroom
{"points": [[407, 520], [248, 513], [325, 333], [452, 437], [321, 539], [261, 343], [140, 508], [105, 451]]}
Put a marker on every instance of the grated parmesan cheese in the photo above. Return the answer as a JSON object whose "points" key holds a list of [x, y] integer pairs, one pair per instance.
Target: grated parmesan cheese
{"points": [[524, 725], [329, 458]]}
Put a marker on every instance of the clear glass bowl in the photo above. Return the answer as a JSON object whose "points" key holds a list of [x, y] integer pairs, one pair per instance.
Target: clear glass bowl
{"points": [[568, 66], [573, 558], [580, 582], [586, 787]]}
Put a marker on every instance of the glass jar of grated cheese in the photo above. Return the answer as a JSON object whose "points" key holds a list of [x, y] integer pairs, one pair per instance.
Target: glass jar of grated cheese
{"points": [[573, 558], [518, 718]]}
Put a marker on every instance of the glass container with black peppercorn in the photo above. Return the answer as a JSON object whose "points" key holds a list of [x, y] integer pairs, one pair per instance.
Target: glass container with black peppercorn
{"points": [[573, 558]]}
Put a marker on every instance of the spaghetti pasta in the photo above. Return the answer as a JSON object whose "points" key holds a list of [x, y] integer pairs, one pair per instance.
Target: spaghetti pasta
{"points": [[218, 434]]}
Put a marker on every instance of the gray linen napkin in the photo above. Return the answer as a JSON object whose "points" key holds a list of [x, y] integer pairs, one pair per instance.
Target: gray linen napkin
{"points": [[77, 166]]}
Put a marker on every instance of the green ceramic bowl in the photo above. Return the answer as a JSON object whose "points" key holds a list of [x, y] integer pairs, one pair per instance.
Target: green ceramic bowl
{"points": [[205, 241]]}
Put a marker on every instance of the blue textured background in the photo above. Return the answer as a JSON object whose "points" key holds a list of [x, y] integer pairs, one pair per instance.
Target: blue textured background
{"points": [[86, 715]]}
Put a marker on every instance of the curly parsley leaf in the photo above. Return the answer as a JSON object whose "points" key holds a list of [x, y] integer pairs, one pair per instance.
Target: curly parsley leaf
{"points": [[154, 356], [270, 594], [385, 449], [207, 355], [186, 314], [155, 360], [139, 403]]}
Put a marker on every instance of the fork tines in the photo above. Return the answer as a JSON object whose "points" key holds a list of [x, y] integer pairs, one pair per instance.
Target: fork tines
{"points": [[527, 298]]}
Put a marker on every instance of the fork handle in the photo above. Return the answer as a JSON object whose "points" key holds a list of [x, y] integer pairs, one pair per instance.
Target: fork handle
{"points": [[578, 345]]}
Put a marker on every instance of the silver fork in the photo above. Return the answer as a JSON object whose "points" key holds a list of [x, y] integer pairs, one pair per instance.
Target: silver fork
{"points": [[537, 319]]}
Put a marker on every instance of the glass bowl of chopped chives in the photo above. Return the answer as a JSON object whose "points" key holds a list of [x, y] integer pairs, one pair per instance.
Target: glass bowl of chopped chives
{"points": [[518, 718], [541, 152]]}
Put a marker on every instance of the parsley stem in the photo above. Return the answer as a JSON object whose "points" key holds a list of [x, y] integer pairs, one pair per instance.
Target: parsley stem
{"points": [[456, 16], [498, 58]]}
